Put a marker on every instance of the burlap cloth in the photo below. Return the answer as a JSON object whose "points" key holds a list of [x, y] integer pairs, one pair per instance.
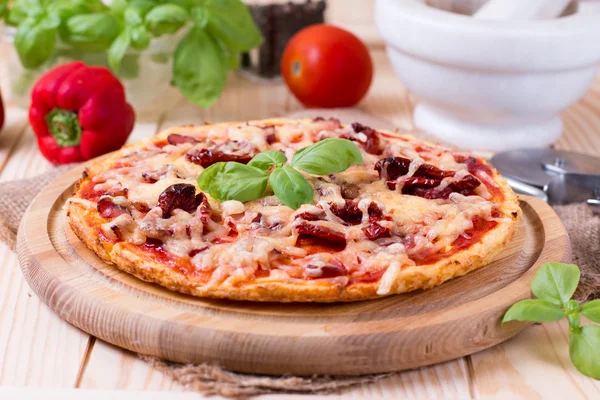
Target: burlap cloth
{"points": [[583, 227]]}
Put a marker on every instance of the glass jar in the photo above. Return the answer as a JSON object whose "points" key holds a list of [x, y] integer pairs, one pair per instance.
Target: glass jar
{"points": [[145, 74]]}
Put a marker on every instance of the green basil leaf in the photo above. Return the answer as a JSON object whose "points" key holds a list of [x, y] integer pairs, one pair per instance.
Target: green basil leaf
{"points": [[3, 8], [231, 22], [233, 181], [133, 17], [49, 21], [555, 282], [290, 187], [572, 306], [21, 10], [65, 9], [118, 7], [187, 4], [118, 49], [329, 156], [584, 349], [137, 10], [535, 310], [166, 19], [35, 41], [90, 32], [573, 310], [200, 68], [200, 17], [233, 57], [591, 310], [267, 159], [574, 320], [140, 37]]}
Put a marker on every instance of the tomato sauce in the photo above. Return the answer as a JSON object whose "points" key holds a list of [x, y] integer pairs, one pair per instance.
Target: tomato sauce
{"points": [[160, 255], [369, 277], [463, 242], [262, 273], [161, 143], [87, 192]]}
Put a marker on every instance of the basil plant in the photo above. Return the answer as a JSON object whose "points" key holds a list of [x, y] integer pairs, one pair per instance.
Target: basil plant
{"points": [[213, 34]]}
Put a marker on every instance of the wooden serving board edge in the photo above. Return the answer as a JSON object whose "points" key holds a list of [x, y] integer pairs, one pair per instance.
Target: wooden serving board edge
{"points": [[83, 310]]}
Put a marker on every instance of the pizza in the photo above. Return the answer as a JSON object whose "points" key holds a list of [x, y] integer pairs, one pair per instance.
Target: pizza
{"points": [[411, 216]]}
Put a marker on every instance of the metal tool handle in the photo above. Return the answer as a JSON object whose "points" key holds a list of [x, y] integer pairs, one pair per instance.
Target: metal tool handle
{"points": [[594, 205], [524, 188]]}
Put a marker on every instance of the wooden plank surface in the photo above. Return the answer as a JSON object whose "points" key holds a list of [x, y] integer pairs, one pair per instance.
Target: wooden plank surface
{"points": [[37, 349]]}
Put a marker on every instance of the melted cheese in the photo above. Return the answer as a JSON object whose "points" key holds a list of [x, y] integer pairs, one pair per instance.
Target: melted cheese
{"points": [[388, 278], [240, 238]]}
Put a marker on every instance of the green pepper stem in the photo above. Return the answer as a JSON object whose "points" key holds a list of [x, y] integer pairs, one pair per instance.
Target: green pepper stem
{"points": [[64, 126]]}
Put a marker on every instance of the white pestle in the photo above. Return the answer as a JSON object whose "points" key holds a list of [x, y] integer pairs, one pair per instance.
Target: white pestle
{"points": [[521, 9]]}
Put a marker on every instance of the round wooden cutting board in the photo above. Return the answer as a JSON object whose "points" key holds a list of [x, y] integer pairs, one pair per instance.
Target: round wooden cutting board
{"points": [[399, 332]]}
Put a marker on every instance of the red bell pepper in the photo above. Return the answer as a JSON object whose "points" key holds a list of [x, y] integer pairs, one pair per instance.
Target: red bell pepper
{"points": [[79, 112]]}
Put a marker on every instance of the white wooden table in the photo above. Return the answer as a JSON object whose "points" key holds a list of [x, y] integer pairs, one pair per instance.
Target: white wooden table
{"points": [[39, 350]]}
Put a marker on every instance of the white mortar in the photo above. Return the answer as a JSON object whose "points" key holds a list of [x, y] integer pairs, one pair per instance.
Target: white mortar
{"points": [[490, 85]]}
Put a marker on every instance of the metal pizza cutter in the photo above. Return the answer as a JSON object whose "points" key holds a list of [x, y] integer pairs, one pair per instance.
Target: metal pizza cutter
{"points": [[557, 176]]}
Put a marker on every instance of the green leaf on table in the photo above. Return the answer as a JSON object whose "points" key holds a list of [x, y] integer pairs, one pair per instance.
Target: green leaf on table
{"points": [[166, 19], [35, 40], [591, 310], [535, 310], [574, 320], [290, 187], [329, 156], [200, 68], [233, 181], [555, 282], [90, 32], [231, 22], [584, 349], [268, 159], [573, 313]]}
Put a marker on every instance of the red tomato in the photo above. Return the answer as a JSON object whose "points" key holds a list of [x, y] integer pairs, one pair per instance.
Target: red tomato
{"points": [[325, 66]]}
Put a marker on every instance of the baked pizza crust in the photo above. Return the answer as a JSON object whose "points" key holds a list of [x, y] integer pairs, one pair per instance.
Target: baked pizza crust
{"points": [[134, 260]]}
